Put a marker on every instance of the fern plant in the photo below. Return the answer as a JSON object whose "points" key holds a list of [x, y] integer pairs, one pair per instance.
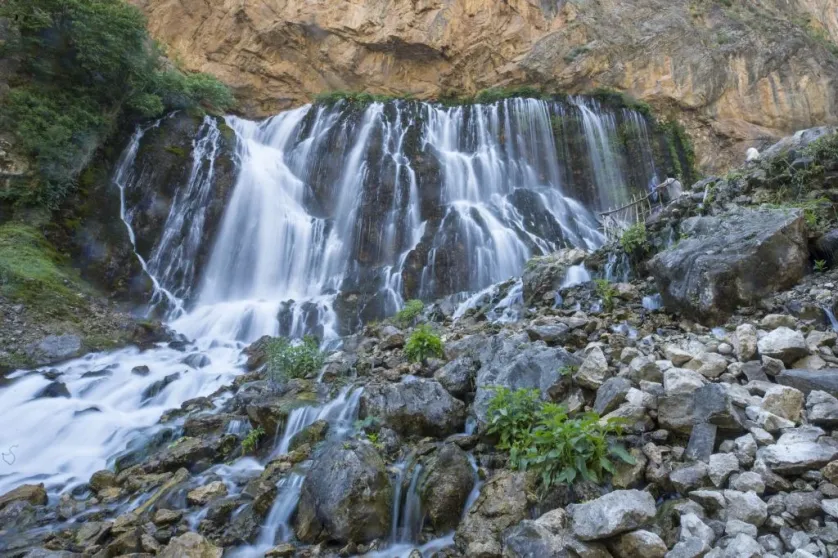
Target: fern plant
{"points": [[606, 292], [251, 441], [407, 315]]}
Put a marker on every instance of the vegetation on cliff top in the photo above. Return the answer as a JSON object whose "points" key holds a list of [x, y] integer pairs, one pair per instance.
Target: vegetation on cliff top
{"points": [[84, 67]]}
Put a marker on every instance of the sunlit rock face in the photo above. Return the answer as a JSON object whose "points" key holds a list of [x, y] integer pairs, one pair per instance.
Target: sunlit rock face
{"points": [[736, 76]]}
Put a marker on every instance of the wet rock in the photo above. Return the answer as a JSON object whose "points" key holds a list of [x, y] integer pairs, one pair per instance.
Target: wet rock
{"points": [[552, 334], [731, 260], [636, 544], [445, 485], [312, 434], [34, 494], [101, 480], [189, 452], [543, 275], [346, 495], [457, 376], [166, 517], [391, 338], [414, 407], [157, 387], [203, 495], [503, 503], [612, 514], [141, 370], [197, 360], [190, 545], [57, 347], [785, 344], [54, 389]]}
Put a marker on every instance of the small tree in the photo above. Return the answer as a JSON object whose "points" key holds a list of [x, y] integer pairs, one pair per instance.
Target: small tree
{"points": [[422, 344]]}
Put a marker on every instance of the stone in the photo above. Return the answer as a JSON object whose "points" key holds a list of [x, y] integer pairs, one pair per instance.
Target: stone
{"points": [[811, 380], [391, 338], [552, 334], [594, 370], [721, 466], [714, 405], [748, 481], [754, 371], [197, 360], [637, 543], [346, 495], [502, 504], [678, 356], [804, 505], [312, 434], [709, 365], [457, 376], [677, 412], [101, 480], [693, 527], [822, 409], [745, 449], [746, 506], [701, 443], [689, 477], [34, 494], [190, 545], [787, 345], [773, 321], [615, 513], [744, 546], [830, 507], [682, 381], [414, 407], [166, 517], [157, 387], [689, 548], [53, 389], [796, 458], [644, 368], [528, 538], [445, 486], [611, 395], [58, 347], [745, 342], [709, 275], [203, 495], [784, 401], [141, 370], [734, 527]]}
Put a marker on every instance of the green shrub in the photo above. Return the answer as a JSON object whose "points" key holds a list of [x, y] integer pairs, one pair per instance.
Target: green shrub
{"points": [[407, 315], [634, 240], [543, 438], [422, 344], [606, 292], [820, 266], [86, 66], [251, 441], [287, 359]]}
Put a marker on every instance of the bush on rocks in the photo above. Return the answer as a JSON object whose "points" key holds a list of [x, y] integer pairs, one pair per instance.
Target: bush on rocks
{"points": [[423, 344]]}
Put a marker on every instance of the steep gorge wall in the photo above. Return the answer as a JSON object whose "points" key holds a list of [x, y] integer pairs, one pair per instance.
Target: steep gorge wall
{"points": [[736, 75]]}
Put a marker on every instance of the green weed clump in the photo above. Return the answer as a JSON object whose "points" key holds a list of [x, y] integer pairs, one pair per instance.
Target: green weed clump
{"points": [[251, 441], [543, 438], [407, 315], [293, 359], [634, 240], [423, 344], [606, 292]]}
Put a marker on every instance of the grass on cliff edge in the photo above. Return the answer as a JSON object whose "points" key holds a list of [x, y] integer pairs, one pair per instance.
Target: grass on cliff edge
{"points": [[32, 271]]}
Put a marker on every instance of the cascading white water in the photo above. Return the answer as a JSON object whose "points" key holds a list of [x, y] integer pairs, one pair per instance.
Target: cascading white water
{"points": [[576, 275]]}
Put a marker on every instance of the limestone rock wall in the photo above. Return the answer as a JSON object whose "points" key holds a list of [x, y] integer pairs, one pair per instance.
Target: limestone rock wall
{"points": [[736, 76]]}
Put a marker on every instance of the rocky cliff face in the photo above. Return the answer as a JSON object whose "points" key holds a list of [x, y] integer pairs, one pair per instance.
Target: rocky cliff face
{"points": [[736, 75]]}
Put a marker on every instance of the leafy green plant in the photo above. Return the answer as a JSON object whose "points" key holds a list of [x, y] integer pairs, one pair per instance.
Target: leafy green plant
{"points": [[634, 240], [422, 344], [568, 370], [543, 438], [287, 359], [251, 441], [85, 67], [407, 315], [606, 292], [820, 266]]}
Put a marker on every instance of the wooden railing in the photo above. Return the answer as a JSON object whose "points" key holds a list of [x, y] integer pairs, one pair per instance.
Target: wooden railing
{"points": [[615, 221]]}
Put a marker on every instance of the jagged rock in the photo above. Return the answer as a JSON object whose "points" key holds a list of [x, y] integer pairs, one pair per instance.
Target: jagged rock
{"points": [[544, 274], [701, 443], [682, 381], [414, 407], [748, 482], [745, 449], [457, 376], [746, 506], [34, 494], [709, 365], [783, 401], [346, 495], [190, 545], [611, 395], [166, 517], [689, 477], [552, 334], [644, 368], [689, 548], [809, 380], [312, 434], [784, 344], [745, 342], [54, 389], [822, 409], [730, 260], [594, 370], [678, 356], [503, 503], [804, 505], [714, 404], [612, 514], [797, 457], [157, 387], [203, 495], [197, 360], [721, 466], [743, 546], [637, 543], [677, 412], [445, 487], [391, 338], [102, 479], [693, 527]]}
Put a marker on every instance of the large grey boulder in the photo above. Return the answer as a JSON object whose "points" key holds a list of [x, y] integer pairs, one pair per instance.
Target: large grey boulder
{"points": [[414, 406], [785, 344], [445, 485], [811, 380], [346, 495], [615, 513], [731, 260], [510, 360], [797, 457], [503, 503]]}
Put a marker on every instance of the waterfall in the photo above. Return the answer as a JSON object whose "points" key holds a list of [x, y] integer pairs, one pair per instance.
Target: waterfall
{"points": [[830, 315], [576, 275]]}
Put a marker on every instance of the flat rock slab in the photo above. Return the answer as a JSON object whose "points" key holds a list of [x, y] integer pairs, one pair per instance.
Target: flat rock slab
{"points": [[617, 512], [811, 380]]}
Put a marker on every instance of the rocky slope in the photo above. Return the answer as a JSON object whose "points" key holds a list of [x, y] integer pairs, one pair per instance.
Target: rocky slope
{"points": [[730, 428], [736, 73]]}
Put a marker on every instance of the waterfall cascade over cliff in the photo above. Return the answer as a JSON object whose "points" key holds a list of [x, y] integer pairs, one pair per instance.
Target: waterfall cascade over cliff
{"points": [[341, 212]]}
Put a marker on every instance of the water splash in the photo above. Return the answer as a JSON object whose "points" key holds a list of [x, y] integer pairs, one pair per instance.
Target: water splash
{"points": [[576, 275], [652, 302], [830, 315]]}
